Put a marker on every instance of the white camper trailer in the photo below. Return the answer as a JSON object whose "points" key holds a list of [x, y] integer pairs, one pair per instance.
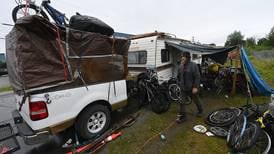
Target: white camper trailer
{"points": [[152, 50]]}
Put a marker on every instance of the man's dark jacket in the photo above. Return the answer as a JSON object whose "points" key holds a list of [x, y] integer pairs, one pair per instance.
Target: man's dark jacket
{"points": [[189, 76]]}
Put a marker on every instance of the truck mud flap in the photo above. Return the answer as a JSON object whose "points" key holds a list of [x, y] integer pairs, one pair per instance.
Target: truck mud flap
{"points": [[8, 141]]}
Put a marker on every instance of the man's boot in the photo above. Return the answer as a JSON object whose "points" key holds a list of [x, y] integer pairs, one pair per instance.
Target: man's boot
{"points": [[199, 114], [180, 118]]}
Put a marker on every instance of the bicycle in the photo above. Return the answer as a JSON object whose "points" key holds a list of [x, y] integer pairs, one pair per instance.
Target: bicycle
{"points": [[248, 135], [249, 127], [223, 117], [77, 22], [150, 91], [224, 80], [172, 88], [31, 9], [173, 91]]}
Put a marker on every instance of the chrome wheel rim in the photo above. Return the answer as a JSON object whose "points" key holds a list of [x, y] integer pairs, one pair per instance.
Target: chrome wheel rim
{"points": [[96, 122]]}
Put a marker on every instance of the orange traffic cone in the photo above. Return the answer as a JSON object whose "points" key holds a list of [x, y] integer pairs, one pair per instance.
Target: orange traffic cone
{"points": [[99, 145], [113, 136], [108, 139]]}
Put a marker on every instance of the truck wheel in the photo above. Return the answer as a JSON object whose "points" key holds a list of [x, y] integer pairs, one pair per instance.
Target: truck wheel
{"points": [[93, 121]]}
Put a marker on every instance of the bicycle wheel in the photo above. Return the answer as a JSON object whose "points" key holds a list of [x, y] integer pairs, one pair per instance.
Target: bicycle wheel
{"points": [[219, 84], [243, 136], [19, 11], [250, 111], [222, 117], [174, 92], [186, 100], [263, 144], [218, 131]]}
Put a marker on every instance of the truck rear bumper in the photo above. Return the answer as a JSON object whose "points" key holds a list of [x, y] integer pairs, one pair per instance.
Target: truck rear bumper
{"points": [[30, 136]]}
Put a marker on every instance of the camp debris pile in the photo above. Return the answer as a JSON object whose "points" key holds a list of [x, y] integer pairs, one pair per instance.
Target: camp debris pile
{"points": [[41, 54]]}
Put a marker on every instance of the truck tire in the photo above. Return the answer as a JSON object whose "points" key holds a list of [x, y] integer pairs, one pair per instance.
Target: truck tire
{"points": [[93, 121]]}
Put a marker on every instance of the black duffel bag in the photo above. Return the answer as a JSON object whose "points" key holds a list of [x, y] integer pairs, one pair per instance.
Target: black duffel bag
{"points": [[90, 24]]}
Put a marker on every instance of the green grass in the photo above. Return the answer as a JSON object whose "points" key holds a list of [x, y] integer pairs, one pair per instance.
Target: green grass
{"points": [[265, 68], [259, 48], [180, 138], [5, 89]]}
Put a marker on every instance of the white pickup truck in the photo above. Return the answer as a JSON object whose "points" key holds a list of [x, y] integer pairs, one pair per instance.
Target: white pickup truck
{"points": [[87, 108], [75, 78]]}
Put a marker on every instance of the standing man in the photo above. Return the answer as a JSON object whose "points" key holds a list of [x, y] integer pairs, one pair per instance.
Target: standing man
{"points": [[189, 81]]}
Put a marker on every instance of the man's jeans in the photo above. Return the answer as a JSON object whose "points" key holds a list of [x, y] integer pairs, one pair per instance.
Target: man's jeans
{"points": [[195, 98]]}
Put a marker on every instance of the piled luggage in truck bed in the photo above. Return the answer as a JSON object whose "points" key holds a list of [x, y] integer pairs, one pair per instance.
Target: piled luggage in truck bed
{"points": [[41, 54]]}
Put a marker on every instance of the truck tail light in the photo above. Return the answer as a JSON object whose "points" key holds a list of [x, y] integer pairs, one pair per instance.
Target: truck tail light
{"points": [[38, 110]]}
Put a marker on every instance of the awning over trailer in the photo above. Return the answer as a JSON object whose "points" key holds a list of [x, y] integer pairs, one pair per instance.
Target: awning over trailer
{"points": [[218, 54]]}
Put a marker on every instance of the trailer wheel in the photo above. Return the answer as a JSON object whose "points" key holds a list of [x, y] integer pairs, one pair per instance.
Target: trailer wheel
{"points": [[93, 121]]}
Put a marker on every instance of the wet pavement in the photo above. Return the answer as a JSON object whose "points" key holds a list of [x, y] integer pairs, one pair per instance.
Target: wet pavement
{"points": [[7, 105], [4, 81]]}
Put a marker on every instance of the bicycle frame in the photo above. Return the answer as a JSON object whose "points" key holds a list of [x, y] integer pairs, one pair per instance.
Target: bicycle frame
{"points": [[56, 15], [261, 119], [150, 94], [147, 86], [148, 83], [224, 80], [243, 125]]}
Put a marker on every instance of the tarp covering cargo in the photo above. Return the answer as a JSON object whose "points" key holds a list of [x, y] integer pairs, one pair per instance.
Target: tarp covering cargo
{"points": [[42, 54], [90, 24]]}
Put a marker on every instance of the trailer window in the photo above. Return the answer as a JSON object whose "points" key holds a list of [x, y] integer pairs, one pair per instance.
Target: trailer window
{"points": [[197, 58], [164, 55], [137, 57]]}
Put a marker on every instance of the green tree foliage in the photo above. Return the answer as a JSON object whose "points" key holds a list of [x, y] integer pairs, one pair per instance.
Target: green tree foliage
{"points": [[271, 37], [250, 42], [267, 42], [235, 38], [263, 42]]}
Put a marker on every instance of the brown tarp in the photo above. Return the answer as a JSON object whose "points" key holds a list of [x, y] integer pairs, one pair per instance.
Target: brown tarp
{"points": [[36, 55], [98, 57], [100, 69]]}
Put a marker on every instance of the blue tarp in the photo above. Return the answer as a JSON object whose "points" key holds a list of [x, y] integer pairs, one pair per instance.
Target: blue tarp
{"points": [[255, 78]]}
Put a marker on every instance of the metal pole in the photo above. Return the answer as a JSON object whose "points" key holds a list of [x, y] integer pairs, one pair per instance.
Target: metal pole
{"points": [[233, 90]]}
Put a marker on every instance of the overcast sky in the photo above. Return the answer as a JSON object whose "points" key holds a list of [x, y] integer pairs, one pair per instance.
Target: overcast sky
{"points": [[208, 21]]}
